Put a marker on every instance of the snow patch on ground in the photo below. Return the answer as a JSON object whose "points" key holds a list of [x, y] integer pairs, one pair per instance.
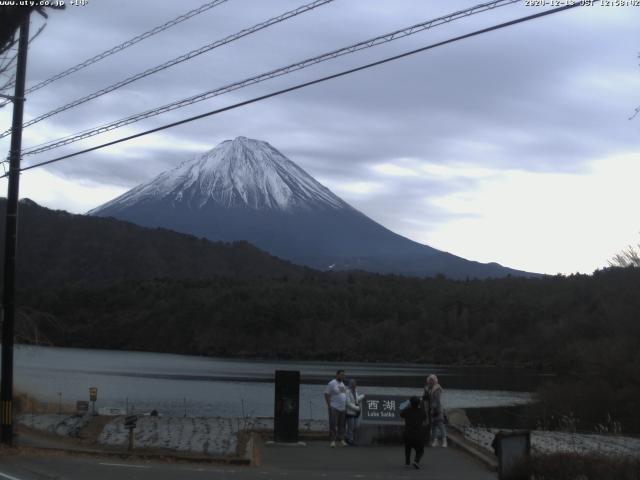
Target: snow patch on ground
{"points": [[563, 442], [209, 436], [265, 423], [200, 435]]}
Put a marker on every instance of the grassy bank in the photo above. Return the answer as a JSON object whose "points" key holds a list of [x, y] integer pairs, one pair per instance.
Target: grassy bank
{"points": [[26, 404]]}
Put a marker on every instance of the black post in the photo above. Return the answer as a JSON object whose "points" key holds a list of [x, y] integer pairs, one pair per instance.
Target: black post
{"points": [[287, 406], [8, 298]]}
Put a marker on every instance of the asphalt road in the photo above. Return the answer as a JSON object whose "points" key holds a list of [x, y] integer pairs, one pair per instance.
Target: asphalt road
{"points": [[315, 461]]}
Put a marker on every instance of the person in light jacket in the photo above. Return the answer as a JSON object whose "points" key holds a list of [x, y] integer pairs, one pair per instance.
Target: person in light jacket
{"points": [[353, 411], [438, 429]]}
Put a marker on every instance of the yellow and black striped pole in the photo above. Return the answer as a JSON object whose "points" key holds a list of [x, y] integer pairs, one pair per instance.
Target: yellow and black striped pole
{"points": [[6, 412]]}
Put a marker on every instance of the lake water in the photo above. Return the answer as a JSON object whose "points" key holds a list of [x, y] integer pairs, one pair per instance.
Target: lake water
{"points": [[200, 386]]}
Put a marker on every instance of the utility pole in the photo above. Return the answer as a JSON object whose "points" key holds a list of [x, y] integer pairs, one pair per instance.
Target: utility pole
{"points": [[11, 228]]}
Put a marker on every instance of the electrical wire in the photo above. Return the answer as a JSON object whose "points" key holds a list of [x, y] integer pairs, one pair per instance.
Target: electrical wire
{"points": [[307, 84], [126, 44], [176, 61], [6, 64], [388, 37]]}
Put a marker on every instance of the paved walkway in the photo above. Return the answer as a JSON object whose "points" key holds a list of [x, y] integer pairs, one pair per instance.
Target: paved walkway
{"points": [[314, 461], [317, 460]]}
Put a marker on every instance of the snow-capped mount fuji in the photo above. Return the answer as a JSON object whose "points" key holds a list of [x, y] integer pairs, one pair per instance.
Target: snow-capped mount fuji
{"points": [[237, 173], [245, 189]]}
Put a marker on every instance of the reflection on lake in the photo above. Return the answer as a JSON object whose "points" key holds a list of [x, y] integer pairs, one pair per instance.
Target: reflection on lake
{"points": [[199, 386]]}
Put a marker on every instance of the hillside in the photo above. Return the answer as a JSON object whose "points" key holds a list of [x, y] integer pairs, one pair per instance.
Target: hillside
{"points": [[57, 248]]}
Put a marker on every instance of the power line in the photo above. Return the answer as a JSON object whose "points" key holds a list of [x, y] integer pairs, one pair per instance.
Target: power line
{"points": [[177, 60], [6, 62], [9, 57], [5, 65], [127, 44], [307, 84], [388, 37]]}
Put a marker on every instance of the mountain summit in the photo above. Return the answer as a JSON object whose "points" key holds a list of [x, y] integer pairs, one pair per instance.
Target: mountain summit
{"points": [[237, 173], [245, 189]]}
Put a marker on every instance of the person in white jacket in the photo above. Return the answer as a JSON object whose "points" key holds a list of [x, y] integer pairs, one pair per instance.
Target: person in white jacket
{"points": [[353, 411]]}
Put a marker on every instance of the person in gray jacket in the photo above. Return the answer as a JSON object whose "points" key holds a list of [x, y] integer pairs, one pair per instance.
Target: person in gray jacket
{"points": [[353, 411]]}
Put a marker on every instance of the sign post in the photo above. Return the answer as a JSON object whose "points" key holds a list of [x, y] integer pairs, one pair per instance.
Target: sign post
{"points": [[93, 397], [130, 424], [287, 403]]}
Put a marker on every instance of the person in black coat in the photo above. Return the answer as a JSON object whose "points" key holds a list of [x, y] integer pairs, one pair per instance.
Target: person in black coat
{"points": [[414, 416]]}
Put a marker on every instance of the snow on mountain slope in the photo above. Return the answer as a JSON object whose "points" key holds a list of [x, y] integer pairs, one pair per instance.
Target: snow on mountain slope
{"points": [[239, 172]]}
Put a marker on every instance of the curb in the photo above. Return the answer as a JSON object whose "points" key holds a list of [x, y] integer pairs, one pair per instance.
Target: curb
{"points": [[140, 455], [457, 439], [253, 450]]}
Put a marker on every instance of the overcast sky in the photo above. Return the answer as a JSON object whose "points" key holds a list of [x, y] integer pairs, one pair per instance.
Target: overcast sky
{"points": [[514, 147]]}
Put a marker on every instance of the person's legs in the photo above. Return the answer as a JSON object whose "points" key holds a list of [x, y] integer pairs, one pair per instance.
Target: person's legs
{"points": [[434, 434], [333, 424], [351, 425], [438, 433], [341, 425], [427, 433], [419, 446], [443, 434], [413, 443], [354, 432], [407, 452]]}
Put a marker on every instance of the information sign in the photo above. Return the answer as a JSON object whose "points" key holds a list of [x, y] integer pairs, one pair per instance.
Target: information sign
{"points": [[383, 408], [82, 407], [130, 421]]}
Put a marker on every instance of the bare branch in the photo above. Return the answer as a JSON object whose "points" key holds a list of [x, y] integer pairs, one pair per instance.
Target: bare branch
{"points": [[629, 257]]}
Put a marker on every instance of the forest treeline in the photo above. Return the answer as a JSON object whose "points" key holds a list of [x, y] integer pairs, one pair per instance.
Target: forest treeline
{"points": [[546, 323], [586, 328]]}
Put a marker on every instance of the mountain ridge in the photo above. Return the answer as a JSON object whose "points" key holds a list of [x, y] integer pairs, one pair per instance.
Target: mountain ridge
{"points": [[58, 248]]}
